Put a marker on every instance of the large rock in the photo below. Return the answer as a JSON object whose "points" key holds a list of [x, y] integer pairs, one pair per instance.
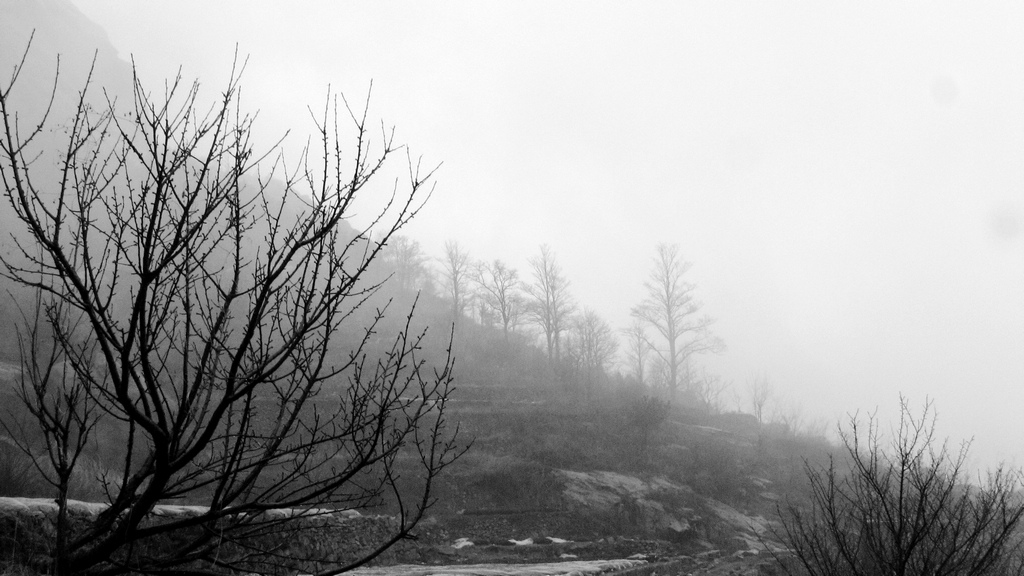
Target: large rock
{"points": [[654, 504]]}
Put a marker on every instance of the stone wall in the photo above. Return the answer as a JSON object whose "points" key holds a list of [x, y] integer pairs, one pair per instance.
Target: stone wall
{"points": [[28, 534]]}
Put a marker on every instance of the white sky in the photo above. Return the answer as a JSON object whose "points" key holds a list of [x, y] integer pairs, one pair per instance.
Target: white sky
{"points": [[848, 179]]}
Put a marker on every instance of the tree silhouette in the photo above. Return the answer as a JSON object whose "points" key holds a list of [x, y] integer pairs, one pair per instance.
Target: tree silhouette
{"points": [[500, 291], [455, 270], [550, 303], [188, 306], [673, 311]]}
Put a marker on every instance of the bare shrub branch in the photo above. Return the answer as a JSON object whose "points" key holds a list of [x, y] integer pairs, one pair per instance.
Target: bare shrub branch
{"points": [[903, 505]]}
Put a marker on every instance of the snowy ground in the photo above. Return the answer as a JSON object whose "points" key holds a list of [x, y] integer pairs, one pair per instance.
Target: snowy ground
{"points": [[40, 506]]}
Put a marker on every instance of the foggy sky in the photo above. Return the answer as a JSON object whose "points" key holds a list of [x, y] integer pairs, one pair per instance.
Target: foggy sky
{"points": [[848, 180]]}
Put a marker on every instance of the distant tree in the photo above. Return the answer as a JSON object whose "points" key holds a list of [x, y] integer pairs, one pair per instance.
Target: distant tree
{"points": [[708, 388], [907, 505], [592, 347], [484, 312], [456, 269], [790, 417], [404, 257], [760, 390], [671, 308], [638, 348], [191, 308], [500, 290], [550, 303], [658, 375]]}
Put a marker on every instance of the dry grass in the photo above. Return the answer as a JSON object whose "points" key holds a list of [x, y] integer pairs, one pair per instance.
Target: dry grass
{"points": [[16, 570]]}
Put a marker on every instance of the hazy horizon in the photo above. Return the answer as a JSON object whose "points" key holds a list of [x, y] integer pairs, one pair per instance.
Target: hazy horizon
{"points": [[848, 181]]}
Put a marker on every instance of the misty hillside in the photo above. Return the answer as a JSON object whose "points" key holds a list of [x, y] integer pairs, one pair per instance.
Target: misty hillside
{"points": [[533, 423], [536, 410], [56, 29]]}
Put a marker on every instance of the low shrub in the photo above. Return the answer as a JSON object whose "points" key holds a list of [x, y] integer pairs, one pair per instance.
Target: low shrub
{"points": [[715, 469], [510, 483], [18, 476]]}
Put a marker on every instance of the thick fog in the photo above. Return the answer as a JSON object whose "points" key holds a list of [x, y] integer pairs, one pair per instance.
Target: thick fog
{"points": [[848, 181]]}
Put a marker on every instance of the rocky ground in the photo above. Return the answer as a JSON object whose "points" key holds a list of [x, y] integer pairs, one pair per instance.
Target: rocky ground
{"points": [[438, 549]]}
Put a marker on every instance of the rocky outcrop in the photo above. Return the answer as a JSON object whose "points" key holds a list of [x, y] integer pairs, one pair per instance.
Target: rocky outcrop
{"points": [[655, 505]]}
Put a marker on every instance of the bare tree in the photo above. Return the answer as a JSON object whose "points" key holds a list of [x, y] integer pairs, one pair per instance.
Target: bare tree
{"points": [[790, 417], [638, 348], [906, 505], [709, 387], [500, 291], [760, 390], [188, 306], [550, 302], [672, 309], [658, 375], [405, 259], [591, 347], [455, 270]]}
